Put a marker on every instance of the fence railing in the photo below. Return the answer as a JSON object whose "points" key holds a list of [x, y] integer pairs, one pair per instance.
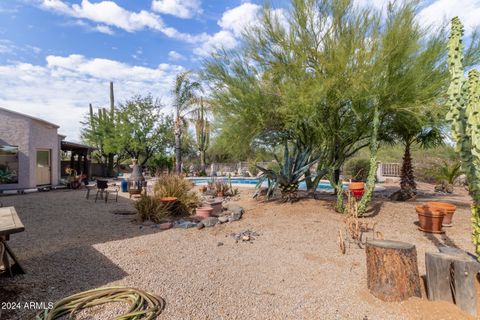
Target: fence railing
{"points": [[391, 169]]}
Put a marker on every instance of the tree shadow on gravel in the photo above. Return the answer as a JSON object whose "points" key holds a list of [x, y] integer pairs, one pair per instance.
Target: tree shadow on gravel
{"points": [[56, 249]]}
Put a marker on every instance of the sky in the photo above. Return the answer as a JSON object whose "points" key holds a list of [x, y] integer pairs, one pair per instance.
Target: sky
{"points": [[57, 56]]}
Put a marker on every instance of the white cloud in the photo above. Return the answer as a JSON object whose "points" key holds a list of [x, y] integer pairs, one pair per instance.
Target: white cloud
{"points": [[441, 11], [179, 8], [61, 90], [222, 39], [233, 23], [108, 13], [175, 56], [239, 18], [6, 46], [104, 29]]}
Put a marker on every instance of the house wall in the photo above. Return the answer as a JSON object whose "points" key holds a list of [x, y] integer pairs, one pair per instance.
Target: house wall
{"points": [[43, 136], [15, 130], [29, 135]]}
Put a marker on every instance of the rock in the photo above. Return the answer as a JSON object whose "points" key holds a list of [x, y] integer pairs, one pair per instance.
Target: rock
{"points": [[246, 238], [200, 225], [219, 244], [235, 217], [210, 222], [165, 226], [184, 224], [223, 219], [235, 208]]}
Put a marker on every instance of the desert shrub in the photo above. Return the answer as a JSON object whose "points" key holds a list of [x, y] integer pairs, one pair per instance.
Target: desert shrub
{"points": [[357, 169], [177, 186], [151, 208], [437, 172]]}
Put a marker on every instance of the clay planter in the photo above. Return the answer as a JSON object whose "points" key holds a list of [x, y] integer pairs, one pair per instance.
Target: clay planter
{"points": [[203, 212], [357, 189], [168, 199], [447, 208], [430, 219]]}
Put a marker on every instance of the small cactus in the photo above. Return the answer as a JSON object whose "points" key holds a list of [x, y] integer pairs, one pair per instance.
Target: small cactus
{"points": [[464, 103]]}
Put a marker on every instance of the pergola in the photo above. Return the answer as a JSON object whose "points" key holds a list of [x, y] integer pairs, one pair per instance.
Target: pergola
{"points": [[80, 156]]}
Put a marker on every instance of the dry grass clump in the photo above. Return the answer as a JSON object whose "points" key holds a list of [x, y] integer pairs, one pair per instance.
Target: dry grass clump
{"points": [[151, 208], [177, 186]]}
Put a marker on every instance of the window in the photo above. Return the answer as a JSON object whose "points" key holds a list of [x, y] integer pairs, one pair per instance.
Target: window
{"points": [[8, 164]]}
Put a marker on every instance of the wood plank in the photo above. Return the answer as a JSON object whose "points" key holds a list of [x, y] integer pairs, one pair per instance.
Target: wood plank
{"points": [[438, 276], [9, 221], [465, 288]]}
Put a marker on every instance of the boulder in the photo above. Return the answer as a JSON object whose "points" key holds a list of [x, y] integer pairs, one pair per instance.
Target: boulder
{"points": [[210, 222], [223, 219]]}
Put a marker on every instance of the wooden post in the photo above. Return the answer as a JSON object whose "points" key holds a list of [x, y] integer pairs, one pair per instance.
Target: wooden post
{"points": [[452, 276], [392, 270]]}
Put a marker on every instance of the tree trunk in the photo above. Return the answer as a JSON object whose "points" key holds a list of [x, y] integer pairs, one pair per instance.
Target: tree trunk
{"points": [[392, 270], [178, 144], [407, 177], [202, 161], [110, 165]]}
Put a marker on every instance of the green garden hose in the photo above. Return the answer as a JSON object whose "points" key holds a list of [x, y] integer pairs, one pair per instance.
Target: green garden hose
{"points": [[143, 305]]}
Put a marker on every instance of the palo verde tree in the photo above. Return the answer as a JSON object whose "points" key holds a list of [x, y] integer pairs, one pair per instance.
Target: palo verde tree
{"points": [[329, 65], [184, 98]]}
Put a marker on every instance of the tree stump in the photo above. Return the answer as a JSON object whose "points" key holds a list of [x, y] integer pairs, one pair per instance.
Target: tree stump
{"points": [[392, 270], [452, 276]]}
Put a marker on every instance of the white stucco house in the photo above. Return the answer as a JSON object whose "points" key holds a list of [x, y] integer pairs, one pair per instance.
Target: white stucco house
{"points": [[29, 151]]}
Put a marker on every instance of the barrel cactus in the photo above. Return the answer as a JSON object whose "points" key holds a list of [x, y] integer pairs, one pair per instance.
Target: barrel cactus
{"points": [[464, 103]]}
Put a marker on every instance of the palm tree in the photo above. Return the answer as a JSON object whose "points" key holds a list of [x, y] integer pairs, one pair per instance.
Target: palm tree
{"points": [[423, 130], [184, 97]]}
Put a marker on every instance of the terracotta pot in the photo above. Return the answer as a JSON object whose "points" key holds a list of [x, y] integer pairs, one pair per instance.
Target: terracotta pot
{"points": [[168, 199], [356, 185], [357, 193], [430, 219], [357, 189], [203, 212], [447, 208]]}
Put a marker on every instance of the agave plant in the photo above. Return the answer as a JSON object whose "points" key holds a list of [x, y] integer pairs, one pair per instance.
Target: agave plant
{"points": [[290, 172]]}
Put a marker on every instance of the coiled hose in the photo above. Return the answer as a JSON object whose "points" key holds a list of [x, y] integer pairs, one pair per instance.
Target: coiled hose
{"points": [[143, 305]]}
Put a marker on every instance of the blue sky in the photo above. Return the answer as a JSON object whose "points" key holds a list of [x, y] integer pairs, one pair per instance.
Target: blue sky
{"points": [[57, 56]]}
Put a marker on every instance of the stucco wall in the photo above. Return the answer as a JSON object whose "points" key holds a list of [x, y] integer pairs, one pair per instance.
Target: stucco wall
{"points": [[43, 136], [29, 135]]}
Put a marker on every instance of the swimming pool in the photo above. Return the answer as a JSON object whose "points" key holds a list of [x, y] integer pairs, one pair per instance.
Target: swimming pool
{"points": [[324, 185]]}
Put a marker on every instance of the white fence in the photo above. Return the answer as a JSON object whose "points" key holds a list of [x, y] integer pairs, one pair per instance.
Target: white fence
{"points": [[390, 169]]}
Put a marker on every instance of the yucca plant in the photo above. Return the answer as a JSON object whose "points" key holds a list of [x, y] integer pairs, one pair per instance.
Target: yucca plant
{"points": [[290, 173], [179, 187]]}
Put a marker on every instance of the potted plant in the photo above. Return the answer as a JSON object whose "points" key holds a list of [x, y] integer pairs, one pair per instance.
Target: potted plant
{"points": [[447, 208], [430, 218], [203, 212], [356, 189], [221, 187]]}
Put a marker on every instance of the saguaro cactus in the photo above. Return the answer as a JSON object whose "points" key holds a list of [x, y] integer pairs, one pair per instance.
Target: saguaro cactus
{"points": [[202, 128], [464, 101]]}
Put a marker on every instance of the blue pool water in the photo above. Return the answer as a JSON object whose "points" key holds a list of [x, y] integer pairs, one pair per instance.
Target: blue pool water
{"points": [[253, 181]]}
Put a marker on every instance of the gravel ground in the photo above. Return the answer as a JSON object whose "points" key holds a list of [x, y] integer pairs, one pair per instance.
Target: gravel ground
{"points": [[292, 270]]}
